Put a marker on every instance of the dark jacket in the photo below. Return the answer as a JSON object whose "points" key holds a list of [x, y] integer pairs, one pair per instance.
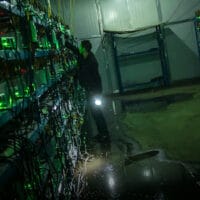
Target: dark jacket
{"points": [[88, 73]]}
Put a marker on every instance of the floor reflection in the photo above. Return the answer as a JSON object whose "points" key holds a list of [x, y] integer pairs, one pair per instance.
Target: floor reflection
{"points": [[121, 169], [144, 178]]}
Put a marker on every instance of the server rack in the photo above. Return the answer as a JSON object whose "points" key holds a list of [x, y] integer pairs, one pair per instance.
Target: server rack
{"points": [[41, 105]]}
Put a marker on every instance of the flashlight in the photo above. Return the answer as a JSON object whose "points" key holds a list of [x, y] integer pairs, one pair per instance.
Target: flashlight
{"points": [[97, 101]]}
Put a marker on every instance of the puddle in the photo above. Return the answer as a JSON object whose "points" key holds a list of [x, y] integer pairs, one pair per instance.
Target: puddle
{"points": [[142, 179], [141, 175]]}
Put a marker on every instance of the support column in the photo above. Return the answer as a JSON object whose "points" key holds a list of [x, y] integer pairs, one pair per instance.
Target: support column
{"points": [[163, 54]]}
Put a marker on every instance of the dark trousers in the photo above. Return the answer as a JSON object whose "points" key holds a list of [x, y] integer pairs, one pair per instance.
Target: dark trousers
{"points": [[98, 116], [100, 121]]}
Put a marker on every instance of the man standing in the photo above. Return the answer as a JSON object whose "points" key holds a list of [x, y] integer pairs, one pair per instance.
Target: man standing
{"points": [[90, 79]]}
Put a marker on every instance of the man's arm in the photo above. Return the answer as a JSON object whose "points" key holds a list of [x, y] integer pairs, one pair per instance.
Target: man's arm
{"points": [[74, 49]]}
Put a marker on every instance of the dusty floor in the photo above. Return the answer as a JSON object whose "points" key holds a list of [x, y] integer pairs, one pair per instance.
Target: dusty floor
{"points": [[168, 119]]}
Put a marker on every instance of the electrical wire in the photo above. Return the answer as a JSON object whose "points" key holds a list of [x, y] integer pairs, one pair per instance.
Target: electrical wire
{"points": [[72, 4], [49, 8], [31, 152]]}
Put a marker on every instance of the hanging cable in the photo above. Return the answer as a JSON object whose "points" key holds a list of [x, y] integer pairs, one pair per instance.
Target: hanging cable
{"points": [[59, 13], [49, 9], [72, 2]]}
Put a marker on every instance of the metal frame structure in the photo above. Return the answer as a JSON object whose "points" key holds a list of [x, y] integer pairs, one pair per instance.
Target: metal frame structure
{"points": [[161, 50]]}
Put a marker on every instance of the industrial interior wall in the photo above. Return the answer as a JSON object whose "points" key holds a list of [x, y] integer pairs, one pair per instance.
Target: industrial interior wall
{"points": [[182, 51], [138, 58], [128, 15], [175, 10], [122, 15], [86, 24], [83, 18], [180, 38], [60, 8]]}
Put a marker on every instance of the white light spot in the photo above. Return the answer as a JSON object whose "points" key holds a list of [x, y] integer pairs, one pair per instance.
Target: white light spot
{"points": [[98, 102], [111, 181], [147, 173], [55, 107], [112, 15]]}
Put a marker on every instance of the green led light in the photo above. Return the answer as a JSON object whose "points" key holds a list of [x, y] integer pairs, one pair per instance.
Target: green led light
{"points": [[74, 62], [33, 85], [8, 42], [49, 45], [33, 31], [10, 101], [1, 104], [5, 44], [17, 94], [9, 152], [40, 45], [28, 186], [62, 28], [55, 41], [27, 91]]}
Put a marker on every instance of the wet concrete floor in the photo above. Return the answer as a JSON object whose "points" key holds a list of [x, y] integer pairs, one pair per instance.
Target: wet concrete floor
{"points": [[121, 169], [145, 175]]}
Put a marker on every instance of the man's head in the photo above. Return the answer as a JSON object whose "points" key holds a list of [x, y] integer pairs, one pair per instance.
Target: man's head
{"points": [[85, 47]]}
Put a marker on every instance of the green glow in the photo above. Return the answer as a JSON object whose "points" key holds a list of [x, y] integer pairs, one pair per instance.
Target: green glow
{"points": [[9, 152], [57, 45], [55, 41], [74, 62], [44, 43], [49, 45], [8, 42], [10, 101], [40, 45], [27, 91], [62, 28], [1, 105], [33, 85], [81, 49], [28, 186], [17, 94], [33, 31], [5, 44]]}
